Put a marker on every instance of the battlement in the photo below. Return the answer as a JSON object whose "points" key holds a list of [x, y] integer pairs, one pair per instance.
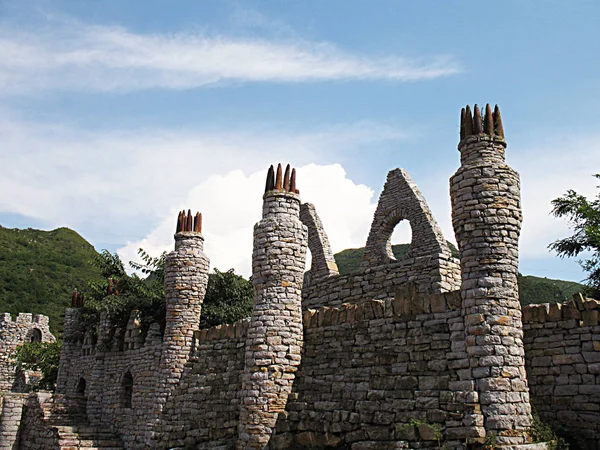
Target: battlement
{"points": [[577, 312], [25, 328], [25, 319]]}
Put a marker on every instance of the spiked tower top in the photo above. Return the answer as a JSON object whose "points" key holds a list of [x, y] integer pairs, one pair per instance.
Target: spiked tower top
{"points": [[472, 124], [186, 222], [281, 182]]}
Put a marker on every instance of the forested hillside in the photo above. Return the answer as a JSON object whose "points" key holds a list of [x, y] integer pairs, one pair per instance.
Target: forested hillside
{"points": [[40, 269]]}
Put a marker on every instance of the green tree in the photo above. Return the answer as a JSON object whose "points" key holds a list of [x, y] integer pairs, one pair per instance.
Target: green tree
{"points": [[584, 218], [42, 356], [229, 298], [119, 293]]}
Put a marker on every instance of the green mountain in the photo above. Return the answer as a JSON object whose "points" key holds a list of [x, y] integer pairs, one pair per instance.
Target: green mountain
{"points": [[531, 289], [545, 290], [40, 269]]}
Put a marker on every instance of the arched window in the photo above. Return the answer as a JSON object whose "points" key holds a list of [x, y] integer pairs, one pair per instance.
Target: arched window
{"points": [[126, 390], [36, 335], [400, 240], [81, 386]]}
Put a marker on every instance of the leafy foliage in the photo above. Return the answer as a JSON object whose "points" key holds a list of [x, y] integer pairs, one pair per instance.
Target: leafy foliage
{"points": [[544, 290], [118, 293], [584, 217], [229, 298], [40, 269], [542, 432], [42, 356]]}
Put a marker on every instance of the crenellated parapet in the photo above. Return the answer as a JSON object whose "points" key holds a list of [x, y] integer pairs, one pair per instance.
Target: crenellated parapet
{"points": [[275, 333], [24, 328]]}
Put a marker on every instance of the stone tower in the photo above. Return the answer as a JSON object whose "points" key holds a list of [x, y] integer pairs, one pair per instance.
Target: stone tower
{"points": [[486, 215], [275, 333], [186, 278], [72, 335]]}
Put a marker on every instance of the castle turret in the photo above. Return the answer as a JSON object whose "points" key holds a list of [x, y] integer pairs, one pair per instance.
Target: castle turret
{"points": [[71, 347], [486, 215], [275, 334], [186, 278]]}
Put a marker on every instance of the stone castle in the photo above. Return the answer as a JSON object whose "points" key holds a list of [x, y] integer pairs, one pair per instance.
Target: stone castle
{"points": [[419, 352]]}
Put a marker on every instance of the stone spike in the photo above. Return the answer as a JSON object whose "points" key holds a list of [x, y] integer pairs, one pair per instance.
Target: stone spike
{"points": [[286, 178], [498, 128], [468, 121], [278, 179], [477, 125], [462, 124], [270, 185], [293, 182], [198, 223], [178, 229], [189, 223], [488, 124]]}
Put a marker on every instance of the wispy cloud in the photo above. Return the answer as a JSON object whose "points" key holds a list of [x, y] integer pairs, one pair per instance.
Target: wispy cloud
{"points": [[72, 56]]}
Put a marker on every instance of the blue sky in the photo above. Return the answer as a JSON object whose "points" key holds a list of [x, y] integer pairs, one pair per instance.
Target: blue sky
{"points": [[115, 114]]}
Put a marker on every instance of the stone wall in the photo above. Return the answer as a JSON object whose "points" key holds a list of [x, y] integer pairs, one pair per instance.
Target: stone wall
{"points": [[13, 333], [11, 407], [429, 263], [212, 379], [562, 350], [370, 369]]}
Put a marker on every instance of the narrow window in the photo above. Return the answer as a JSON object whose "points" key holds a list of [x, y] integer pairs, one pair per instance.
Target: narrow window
{"points": [[126, 390], [36, 335], [81, 386]]}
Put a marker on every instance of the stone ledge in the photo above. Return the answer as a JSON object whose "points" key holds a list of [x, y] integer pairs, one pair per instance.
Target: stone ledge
{"points": [[407, 304]]}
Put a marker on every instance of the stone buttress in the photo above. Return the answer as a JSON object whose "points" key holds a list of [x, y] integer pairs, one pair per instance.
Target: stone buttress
{"points": [[186, 278], [275, 333], [486, 215]]}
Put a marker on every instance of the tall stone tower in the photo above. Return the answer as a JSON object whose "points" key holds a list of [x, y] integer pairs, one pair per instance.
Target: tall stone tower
{"points": [[486, 215], [275, 333], [186, 278]]}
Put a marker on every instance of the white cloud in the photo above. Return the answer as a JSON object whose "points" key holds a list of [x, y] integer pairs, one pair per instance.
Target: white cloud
{"points": [[231, 205], [114, 186], [547, 170], [73, 56]]}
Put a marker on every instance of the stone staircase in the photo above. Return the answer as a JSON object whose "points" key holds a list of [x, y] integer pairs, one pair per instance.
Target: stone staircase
{"points": [[67, 415]]}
